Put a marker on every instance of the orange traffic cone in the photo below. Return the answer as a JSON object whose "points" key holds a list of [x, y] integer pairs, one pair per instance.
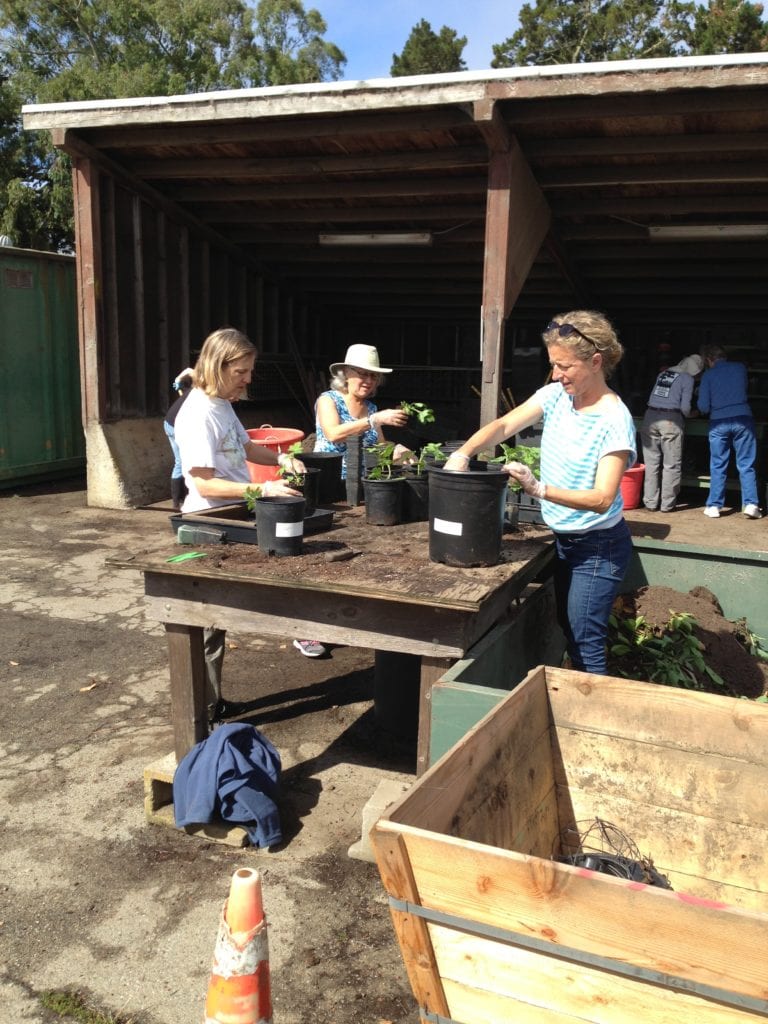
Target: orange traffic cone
{"points": [[238, 992]]}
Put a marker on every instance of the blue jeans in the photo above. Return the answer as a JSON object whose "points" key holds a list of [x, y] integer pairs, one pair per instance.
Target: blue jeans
{"points": [[589, 568], [171, 435], [739, 432]]}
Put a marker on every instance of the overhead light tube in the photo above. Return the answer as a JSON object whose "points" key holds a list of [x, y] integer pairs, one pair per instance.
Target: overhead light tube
{"points": [[378, 238]]}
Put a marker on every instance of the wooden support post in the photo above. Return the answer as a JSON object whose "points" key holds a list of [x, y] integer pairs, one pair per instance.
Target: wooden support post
{"points": [[90, 310], [516, 223], [431, 670], [186, 658]]}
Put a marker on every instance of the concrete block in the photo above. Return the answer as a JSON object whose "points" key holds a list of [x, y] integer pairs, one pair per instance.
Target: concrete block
{"points": [[158, 807], [387, 791]]}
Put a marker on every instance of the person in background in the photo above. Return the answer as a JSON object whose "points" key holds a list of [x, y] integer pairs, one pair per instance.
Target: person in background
{"points": [[215, 449], [347, 410], [587, 443], [723, 396], [663, 432], [182, 384]]}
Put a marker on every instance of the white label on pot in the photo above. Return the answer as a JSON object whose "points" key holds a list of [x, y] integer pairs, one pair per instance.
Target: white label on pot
{"points": [[289, 529], [444, 526]]}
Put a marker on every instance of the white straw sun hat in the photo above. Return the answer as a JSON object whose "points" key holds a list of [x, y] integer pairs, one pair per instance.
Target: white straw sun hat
{"points": [[364, 357]]}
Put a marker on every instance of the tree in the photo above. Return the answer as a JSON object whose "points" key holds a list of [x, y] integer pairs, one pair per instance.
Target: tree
{"points": [[426, 53], [574, 31], [102, 49]]}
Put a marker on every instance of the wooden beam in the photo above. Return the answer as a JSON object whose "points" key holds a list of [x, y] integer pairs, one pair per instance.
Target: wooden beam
{"points": [[517, 221], [650, 206], [90, 310], [427, 120], [651, 145], [139, 340], [688, 173], [417, 214], [460, 157], [382, 188]]}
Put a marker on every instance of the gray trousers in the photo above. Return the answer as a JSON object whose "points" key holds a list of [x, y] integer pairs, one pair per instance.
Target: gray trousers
{"points": [[662, 435], [214, 645]]}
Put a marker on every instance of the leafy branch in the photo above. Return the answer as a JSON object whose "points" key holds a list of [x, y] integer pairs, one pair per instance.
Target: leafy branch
{"points": [[419, 410]]}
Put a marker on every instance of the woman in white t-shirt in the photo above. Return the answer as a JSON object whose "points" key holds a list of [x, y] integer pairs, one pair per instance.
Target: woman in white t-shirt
{"points": [[215, 449], [588, 440]]}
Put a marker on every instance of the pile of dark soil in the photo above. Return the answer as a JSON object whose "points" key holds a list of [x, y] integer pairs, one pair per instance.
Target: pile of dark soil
{"points": [[725, 650]]}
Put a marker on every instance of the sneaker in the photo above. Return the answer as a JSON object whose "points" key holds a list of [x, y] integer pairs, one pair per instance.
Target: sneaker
{"points": [[751, 511], [226, 709], [712, 511], [309, 648]]}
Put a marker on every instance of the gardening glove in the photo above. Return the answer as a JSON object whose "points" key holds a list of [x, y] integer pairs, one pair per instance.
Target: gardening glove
{"points": [[458, 462], [388, 418], [278, 489], [290, 464], [403, 454], [526, 479]]}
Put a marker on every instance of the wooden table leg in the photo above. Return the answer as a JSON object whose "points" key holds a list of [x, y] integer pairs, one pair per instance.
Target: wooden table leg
{"points": [[186, 659], [431, 670]]}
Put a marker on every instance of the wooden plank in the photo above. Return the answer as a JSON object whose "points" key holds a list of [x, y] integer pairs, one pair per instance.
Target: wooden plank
{"points": [[412, 931], [90, 310], [164, 374], [599, 915], [460, 157], [708, 785], [660, 715], [292, 191], [320, 213], [488, 982], [694, 845], [186, 659], [139, 338], [431, 670], [111, 297]]}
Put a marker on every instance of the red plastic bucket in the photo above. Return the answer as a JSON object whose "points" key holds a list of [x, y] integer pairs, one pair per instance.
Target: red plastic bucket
{"points": [[277, 439], [632, 486]]}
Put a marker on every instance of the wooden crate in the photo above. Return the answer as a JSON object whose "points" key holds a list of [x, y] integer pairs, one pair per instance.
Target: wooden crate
{"points": [[492, 929]]}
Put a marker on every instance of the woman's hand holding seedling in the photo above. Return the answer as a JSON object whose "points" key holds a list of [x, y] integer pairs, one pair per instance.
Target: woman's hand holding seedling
{"points": [[290, 465], [525, 478], [389, 418]]}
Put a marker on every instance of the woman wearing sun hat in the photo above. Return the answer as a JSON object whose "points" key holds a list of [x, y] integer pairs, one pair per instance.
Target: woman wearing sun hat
{"points": [[347, 410]]}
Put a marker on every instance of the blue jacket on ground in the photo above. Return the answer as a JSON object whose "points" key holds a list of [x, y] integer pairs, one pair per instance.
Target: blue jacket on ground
{"points": [[234, 775]]}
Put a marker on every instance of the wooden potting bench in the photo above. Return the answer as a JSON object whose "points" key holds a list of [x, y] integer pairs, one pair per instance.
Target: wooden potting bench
{"points": [[433, 611]]}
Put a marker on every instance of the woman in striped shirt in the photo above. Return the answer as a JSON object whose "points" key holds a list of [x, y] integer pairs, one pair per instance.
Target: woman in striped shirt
{"points": [[588, 441]]}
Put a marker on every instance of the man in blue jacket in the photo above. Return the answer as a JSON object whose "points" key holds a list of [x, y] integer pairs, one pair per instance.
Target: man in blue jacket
{"points": [[723, 395]]}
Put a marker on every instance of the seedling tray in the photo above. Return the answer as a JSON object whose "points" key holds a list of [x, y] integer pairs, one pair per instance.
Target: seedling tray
{"points": [[234, 524]]}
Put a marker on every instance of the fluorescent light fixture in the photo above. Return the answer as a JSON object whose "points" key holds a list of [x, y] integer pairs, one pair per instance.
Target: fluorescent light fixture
{"points": [[378, 238], [706, 232]]}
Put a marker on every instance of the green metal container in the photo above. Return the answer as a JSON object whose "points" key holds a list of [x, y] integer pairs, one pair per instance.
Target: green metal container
{"points": [[41, 432]]}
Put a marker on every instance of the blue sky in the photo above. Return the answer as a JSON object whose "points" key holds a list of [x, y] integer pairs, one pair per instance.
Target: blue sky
{"points": [[369, 33]]}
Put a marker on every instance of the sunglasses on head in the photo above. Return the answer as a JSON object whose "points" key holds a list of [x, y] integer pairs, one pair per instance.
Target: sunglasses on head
{"points": [[568, 330]]}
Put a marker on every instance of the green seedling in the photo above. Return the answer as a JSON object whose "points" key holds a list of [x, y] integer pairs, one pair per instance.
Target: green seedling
{"points": [[384, 452], [432, 450], [419, 410], [252, 495], [524, 453], [295, 480]]}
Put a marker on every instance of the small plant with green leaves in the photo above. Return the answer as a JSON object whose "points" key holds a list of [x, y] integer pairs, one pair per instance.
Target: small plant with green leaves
{"points": [[432, 450], [384, 452], [670, 654], [295, 480], [252, 495], [524, 453], [418, 409]]}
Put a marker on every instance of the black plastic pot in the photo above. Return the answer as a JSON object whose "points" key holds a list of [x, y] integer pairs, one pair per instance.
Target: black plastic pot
{"points": [[280, 525], [311, 489], [331, 485], [466, 517], [384, 501], [416, 497]]}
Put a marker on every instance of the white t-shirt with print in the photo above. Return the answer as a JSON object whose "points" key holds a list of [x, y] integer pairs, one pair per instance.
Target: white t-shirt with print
{"points": [[210, 436]]}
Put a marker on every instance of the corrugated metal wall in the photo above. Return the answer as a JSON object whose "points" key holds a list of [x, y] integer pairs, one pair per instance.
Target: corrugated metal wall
{"points": [[41, 432]]}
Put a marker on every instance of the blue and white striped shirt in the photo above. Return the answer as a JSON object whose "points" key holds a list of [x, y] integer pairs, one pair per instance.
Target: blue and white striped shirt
{"points": [[572, 444]]}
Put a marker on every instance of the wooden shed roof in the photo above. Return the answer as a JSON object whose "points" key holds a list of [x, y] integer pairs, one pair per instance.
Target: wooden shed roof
{"points": [[655, 173]]}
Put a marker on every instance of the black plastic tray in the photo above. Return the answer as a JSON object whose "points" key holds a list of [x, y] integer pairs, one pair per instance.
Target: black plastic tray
{"points": [[235, 524]]}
